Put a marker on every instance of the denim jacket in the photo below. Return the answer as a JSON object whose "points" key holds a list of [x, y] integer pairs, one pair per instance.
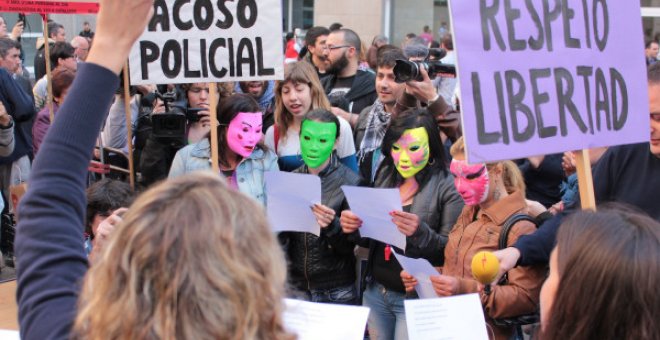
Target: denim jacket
{"points": [[249, 172]]}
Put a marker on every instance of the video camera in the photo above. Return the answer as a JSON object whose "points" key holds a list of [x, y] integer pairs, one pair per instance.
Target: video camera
{"points": [[172, 123], [405, 70]]}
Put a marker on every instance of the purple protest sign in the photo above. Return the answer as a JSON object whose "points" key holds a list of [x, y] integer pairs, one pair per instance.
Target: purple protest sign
{"points": [[546, 76]]}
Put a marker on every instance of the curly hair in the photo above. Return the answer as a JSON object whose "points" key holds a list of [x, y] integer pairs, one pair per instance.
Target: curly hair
{"points": [[192, 259]]}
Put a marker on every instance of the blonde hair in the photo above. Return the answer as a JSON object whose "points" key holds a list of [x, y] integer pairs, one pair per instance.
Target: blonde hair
{"points": [[301, 72], [511, 176], [191, 260]]}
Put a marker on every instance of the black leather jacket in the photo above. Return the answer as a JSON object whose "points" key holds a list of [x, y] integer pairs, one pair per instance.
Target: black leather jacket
{"points": [[437, 205], [327, 261]]}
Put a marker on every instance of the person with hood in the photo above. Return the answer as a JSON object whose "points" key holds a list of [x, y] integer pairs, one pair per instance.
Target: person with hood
{"points": [[264, 93]]}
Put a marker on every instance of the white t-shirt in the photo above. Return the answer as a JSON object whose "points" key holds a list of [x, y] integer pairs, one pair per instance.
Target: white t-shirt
{"points": [[288, 149]]}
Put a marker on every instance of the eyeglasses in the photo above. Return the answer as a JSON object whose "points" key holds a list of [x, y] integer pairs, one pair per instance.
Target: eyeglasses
{"points": [[330, 47]]}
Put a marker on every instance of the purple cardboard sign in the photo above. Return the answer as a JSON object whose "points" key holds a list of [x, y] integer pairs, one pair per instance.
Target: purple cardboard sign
{"points": [[546, 76]]}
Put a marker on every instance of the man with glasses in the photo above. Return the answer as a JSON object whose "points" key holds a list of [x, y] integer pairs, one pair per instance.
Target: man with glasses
{"points": [[81, 46], [349, 89]]}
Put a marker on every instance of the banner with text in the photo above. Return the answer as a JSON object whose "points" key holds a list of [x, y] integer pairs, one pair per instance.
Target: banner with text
{"points": [[546, 76], [50, 6], [210, 41]]}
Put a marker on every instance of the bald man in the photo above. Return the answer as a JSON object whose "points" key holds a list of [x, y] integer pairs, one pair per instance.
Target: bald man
{"points": [[81, 45]]}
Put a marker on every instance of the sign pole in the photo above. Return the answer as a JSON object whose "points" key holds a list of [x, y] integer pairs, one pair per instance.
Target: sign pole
{"points": [[213, 98], [585, 180], [129, 127], [49, 78]]}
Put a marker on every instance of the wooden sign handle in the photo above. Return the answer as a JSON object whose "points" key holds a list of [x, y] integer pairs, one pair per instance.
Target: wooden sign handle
{"points": [[49, 76], [585, 180], [129, 126], [213, 99]]}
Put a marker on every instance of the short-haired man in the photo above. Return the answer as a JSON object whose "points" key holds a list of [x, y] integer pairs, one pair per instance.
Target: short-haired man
{"points": [[651, 52], [87, 31], [315, 40], [61, 56], [81, 46], [394, 98], [19, 106], [631, 173], [349, 89], [55, 34]]}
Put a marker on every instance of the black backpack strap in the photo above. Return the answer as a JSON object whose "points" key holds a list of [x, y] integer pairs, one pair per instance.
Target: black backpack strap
{"points": [[510, 222]]}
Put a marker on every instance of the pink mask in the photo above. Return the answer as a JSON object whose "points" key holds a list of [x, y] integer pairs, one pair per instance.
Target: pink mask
{"points": [[244, 132], [471, 181]]}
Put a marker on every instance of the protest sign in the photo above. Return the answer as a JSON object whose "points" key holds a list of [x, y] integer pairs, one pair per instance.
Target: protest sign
{"points": [[547, 76], [209, 41], [50, 6]]}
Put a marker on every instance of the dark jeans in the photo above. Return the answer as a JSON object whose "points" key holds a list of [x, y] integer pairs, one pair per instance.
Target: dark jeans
{"points": [[344, 295]]}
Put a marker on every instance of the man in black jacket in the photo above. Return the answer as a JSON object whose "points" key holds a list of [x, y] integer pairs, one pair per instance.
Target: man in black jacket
{"points": [[349, 89]]}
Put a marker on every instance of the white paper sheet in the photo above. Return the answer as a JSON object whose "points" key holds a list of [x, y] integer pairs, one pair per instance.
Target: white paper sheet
{"points": [[459, 317], [373, 207], [6, 334], [421, 269], [324, 321], [289, 197]]}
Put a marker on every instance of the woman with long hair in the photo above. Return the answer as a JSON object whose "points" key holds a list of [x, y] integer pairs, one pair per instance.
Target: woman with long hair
{"points": [[192, 260], [242, 158], [604, 274], [296, 95], [416, 164], [323, 267], [493, 193]]}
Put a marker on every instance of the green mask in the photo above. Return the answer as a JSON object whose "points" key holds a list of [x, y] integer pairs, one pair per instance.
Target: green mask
{"points": [[317, 140]]}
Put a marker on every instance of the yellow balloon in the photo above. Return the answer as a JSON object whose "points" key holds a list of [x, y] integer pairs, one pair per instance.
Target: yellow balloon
{"points": [[485, 267]]}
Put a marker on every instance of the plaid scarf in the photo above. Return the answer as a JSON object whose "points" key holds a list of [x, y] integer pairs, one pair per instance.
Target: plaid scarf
{"points": [[377, 124]]}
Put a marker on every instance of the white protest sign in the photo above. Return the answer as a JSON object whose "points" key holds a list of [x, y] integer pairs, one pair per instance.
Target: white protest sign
{"points": [[209, 41]]}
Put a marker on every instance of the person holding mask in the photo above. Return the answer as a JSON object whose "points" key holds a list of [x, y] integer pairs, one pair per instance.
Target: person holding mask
{"points": [[604, 269], [186, 248], [323, 267], [492, 193], [296, 95], [242, 159], [416, 164]]}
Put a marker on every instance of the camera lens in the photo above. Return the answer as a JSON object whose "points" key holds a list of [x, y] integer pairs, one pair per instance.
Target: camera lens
{"points": [[405, 70]]}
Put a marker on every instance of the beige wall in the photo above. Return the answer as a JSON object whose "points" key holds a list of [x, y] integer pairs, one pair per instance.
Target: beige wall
{"points": [[410, 16], [364, 16]]}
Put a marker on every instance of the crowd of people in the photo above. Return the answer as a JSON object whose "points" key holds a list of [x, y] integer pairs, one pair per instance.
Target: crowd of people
{"points": [[189, 254]]}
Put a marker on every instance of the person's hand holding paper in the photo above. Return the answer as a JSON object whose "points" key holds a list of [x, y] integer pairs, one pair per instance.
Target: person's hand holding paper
{"points": [[290, 197], [371, 212]]}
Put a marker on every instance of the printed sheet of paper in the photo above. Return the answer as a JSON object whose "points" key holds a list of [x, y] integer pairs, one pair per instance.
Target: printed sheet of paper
{"points": [[373, 206], [324, 321], [6, 334], [459, 317], [421, 269], [289, 197]]}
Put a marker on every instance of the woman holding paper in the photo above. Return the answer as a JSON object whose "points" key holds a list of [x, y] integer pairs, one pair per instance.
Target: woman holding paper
{"points": [[299, 93], [191, 260], [243, 160], [492, 193], [323, 267], [416, 164]]}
